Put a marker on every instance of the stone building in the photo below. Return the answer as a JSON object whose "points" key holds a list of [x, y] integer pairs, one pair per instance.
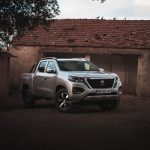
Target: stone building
{"points": [[121, 46]]}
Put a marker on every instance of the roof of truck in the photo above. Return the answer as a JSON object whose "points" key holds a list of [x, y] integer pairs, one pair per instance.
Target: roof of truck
{"points": [[65, 59]]}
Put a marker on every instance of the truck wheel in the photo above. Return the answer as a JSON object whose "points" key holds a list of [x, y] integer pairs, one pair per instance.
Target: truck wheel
{"points": [[28, 99], [62, 101], [109, 105]]}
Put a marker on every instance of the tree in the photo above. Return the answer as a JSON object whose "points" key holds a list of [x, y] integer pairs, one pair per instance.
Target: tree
{"points": [[17, 16]]}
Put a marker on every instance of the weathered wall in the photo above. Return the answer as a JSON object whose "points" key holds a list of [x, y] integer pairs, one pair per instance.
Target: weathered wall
{"points": [[143, 78], [25, 58], [28, 55], [4, 66]]}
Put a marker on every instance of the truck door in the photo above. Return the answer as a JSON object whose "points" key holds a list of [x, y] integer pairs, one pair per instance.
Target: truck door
{"points": [[38, 79], [49, 82]]}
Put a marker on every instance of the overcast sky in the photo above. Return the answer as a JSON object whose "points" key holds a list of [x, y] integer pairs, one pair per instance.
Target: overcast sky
{"points": [[121, 9]]}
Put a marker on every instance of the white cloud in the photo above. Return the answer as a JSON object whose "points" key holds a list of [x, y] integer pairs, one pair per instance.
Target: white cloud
{"points": [[130, 9]]}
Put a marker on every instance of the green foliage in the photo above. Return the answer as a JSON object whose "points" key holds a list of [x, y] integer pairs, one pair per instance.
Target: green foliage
{"points": [[17, 16]]}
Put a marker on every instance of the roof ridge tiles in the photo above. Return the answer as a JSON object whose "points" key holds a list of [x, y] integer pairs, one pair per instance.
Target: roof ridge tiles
{"points": [[80, 29]]}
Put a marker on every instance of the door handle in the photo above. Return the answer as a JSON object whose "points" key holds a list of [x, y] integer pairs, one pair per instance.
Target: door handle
{"points": [[45, 78]]}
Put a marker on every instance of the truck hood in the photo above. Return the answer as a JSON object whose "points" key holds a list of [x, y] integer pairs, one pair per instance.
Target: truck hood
{"points": [[91, 74]]}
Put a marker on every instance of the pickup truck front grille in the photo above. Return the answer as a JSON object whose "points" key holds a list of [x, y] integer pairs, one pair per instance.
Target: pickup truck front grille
{"points": [[101, 83]]}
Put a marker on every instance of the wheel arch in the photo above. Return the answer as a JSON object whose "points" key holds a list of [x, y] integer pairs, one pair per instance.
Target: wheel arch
{"points": [[25, 86], [59, 87]]}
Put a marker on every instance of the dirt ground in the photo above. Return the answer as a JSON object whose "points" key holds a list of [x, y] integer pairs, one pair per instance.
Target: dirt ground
{"points": [[87, 127]]}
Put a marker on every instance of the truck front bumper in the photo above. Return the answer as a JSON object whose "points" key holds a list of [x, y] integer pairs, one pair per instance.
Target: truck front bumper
{"points": [[81, 93], [98, 98], [93, 96]]}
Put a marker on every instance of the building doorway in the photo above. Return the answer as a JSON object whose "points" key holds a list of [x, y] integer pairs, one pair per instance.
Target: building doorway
{"points": [[124, 65]]}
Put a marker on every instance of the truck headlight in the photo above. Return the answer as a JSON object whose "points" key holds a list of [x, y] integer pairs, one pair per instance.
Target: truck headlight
{"points": [[116, 81], [76, 79]]}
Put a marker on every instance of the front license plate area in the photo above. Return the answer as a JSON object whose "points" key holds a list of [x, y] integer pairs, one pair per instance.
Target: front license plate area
{"points": [[103, 91]]}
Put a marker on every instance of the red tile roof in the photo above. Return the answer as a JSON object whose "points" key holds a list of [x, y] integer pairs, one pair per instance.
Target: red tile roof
{"points": [[90, 33]]}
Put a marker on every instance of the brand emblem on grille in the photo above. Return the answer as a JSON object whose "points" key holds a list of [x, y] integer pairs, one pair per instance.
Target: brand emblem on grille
{"points": [[102, 82]]}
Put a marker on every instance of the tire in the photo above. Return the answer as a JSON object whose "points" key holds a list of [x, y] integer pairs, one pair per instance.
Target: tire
{"points": [[62, 101], [109, 105], [28, 99]]}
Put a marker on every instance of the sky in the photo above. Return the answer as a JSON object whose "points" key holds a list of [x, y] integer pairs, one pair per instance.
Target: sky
{"points": [[91, 9]]}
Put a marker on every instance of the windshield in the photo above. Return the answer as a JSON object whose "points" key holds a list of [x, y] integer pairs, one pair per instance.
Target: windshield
{"points": [[66, 65]]}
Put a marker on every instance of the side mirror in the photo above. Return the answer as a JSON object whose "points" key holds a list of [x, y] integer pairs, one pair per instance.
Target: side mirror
{"points": [[50, 70], [41, 69], [101, 69]]}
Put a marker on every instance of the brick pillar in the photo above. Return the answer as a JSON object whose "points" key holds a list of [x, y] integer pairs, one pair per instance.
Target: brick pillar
{"points": [[143, 75], [26, 56]]}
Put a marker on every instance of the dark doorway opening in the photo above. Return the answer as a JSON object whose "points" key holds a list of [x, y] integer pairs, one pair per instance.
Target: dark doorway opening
{"points": [[124, 65]]}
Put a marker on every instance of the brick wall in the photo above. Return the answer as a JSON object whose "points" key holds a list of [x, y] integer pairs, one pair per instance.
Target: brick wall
{"points": [[25, 57], [28, 55], [143, 77], [4, 66]]}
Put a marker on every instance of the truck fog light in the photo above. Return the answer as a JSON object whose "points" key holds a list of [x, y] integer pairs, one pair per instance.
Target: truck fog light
{"points": [[77, 90]]}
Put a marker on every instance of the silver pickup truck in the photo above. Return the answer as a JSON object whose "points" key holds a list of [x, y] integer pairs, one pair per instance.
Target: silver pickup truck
{"points": [[70, 81]]}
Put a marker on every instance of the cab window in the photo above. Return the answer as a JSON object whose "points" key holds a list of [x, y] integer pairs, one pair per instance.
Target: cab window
{"points": [[42, 66], [51, 65]]}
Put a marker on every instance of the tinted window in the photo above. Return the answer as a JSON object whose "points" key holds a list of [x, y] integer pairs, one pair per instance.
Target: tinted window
{"points": [[41, 67], [51, 65], [76, 66]]}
